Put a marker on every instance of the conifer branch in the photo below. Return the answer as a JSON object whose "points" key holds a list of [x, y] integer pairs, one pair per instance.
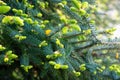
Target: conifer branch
{"points": [[73, 35], [75, 42], [58, 29], [86, 46]]}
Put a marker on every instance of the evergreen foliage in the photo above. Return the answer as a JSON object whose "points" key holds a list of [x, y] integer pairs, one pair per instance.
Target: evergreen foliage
{"points": [[51, 40]]}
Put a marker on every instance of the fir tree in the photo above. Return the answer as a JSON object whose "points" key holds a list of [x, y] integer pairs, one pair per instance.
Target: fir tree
{"points": [[50, 40]]}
